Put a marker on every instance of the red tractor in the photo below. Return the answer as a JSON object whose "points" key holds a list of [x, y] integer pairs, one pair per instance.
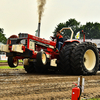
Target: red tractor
{"points": [[40, 55]]}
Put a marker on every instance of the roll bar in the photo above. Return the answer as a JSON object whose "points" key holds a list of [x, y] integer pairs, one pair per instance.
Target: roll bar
{"points": [[68, 28]]}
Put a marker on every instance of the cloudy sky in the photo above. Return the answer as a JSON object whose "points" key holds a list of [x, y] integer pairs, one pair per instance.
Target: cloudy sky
{"points": [[21, 15]]}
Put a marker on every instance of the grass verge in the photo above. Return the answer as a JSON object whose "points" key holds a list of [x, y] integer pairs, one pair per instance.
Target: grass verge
{"points": [[4, 61], [7, 67]]}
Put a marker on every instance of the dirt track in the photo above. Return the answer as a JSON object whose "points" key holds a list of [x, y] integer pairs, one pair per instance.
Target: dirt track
{"points": [[16, 84]]}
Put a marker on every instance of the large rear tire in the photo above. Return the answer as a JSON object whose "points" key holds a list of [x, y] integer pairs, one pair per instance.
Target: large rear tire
{"points": [[64, 64], [85, 59]]}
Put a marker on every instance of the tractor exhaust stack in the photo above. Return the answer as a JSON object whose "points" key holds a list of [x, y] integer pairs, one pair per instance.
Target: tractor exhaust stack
{"points": [[39, 24]]}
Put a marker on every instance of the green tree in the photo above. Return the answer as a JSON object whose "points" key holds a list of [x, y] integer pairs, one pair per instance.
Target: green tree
{"points": [[59, 27], [3, 39], [92, 30], [75, 25]]}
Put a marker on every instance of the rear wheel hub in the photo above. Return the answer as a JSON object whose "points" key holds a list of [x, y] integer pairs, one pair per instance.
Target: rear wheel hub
{"points": [[89, 59]]}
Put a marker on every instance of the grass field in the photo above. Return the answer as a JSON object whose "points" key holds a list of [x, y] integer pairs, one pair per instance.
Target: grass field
{"points": [[4, 61], [7, 67]]}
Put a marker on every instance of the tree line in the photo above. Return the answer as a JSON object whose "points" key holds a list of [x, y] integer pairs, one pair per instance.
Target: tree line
{"points": [[91, 29], [3, 38]]}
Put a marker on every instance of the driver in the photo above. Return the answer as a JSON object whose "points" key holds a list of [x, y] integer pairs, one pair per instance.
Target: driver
{"points": [[59, 39]]}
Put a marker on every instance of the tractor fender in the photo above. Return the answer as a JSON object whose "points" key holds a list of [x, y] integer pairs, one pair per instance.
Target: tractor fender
{"points": [[69, 42]]}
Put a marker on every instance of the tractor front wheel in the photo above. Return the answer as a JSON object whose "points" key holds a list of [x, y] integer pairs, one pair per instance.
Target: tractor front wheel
{"points": [[12, 62], [41, 63]]}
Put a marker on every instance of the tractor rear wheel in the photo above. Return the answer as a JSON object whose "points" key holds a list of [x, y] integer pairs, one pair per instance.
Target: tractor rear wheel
{"points": [[12, 62], [85, 59], [64, 64]]}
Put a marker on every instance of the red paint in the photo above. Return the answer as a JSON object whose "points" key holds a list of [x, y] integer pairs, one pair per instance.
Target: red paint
{"points": [[73, 41], [41, 40], [70, 41], [12, 36], [28, 41], [23, 48], [84, 37]]}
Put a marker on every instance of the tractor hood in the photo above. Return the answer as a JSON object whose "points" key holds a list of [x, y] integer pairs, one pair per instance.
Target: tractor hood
{"points": [[37, 39]]}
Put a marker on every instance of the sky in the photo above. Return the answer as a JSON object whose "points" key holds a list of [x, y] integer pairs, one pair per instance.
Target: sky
{"points": [[21, 16]]}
